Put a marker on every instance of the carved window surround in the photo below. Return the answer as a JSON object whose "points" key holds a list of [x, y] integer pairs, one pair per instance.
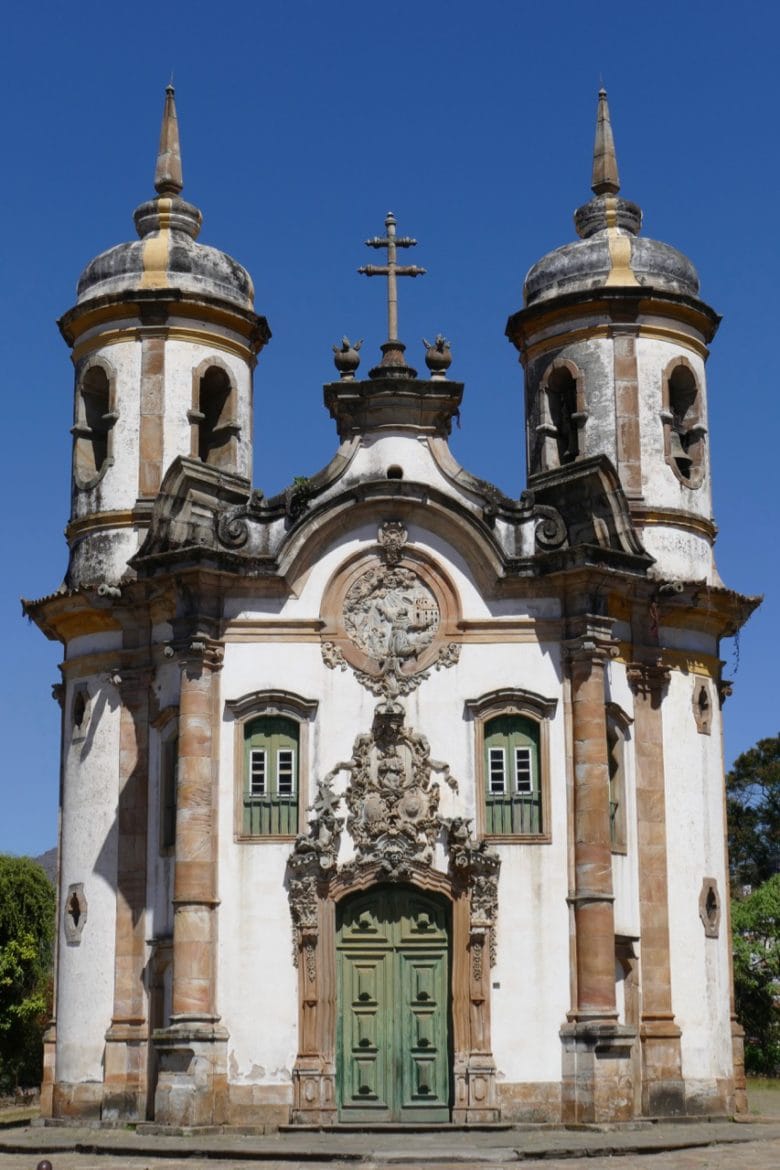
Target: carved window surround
{"points": [[269, 703], [527, 705]]}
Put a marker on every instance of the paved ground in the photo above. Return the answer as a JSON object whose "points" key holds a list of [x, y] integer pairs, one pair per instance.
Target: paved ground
{"points": [[683, 1146], [751, 1144]]}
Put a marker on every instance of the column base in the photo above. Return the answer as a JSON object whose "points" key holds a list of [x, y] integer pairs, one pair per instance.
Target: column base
{"points": [[49, 1065], [125, 1072], [192, 1074], [597, 1081], [738, 1057], [314, 1092], [476, 1099], [663, 1088]]}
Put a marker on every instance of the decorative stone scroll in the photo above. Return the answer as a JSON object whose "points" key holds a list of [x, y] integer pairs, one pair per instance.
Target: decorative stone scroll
{"points": [[388, 624]]}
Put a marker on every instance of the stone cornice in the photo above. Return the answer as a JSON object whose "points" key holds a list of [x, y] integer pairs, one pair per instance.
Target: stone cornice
{"points": [[621, 305]]}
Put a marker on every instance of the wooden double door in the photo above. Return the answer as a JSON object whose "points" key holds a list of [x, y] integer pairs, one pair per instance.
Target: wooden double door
{"points": [[394, 1037]]}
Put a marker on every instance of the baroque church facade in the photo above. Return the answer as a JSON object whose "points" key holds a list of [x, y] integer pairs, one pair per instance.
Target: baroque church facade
{"points": [[391, 798]]}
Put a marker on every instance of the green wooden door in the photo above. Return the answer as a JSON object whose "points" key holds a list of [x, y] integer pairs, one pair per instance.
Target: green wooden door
{"points": [[393, 1043]]}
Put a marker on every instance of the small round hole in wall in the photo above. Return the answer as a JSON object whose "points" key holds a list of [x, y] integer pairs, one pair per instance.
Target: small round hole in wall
{"points": [[395, 472]]}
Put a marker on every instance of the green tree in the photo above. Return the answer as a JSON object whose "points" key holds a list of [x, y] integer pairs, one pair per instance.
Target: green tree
{"points": [[755, 923], [753, 807], [27, 910]]}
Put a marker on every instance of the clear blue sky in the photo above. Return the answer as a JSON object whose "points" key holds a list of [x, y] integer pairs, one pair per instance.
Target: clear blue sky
{"points": [[302, 123]]}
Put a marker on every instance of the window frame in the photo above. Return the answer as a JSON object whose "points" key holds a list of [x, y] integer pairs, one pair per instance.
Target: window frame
{"points": [[520, 704], [244, 711]]}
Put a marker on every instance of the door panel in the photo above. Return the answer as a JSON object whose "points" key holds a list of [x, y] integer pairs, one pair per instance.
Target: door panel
{"points": [[393, 1050], [365, 1046]]}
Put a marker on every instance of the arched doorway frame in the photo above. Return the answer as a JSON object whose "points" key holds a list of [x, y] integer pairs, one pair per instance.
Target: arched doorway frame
{"points": [[473, 1073]]}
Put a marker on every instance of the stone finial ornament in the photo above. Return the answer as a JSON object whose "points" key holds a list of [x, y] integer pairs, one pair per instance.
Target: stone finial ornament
{"points": [[438, 356], [346, 358], [605, 180], [168, 178]]}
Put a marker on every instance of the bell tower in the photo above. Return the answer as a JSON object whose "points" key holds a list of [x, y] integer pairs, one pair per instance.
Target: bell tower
{"points": [[164, 341], [613, 339]]}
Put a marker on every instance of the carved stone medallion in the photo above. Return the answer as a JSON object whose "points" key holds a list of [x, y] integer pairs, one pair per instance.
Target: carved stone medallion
{"points": [[390, 615], [392, 619]]}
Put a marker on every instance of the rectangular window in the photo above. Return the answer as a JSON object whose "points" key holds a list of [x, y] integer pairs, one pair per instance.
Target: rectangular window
{"points": [[513, 797], [285, 772], [523, 774], [497, 779], [257, 773]]}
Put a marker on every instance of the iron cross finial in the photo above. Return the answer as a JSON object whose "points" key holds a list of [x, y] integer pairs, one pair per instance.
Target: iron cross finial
{"points": [[391, 270]]}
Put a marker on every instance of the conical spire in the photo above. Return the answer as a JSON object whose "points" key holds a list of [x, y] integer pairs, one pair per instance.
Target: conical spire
{"points": [[167, 174], [606, 180]]}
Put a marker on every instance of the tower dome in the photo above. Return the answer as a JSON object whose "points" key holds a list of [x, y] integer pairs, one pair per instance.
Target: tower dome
{"points": [[164, 341], [167, 254], [610, 252], [614, 337]]}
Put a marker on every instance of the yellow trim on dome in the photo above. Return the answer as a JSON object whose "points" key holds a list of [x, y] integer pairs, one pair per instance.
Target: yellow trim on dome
{"points": [[621, 273], [156, 250]]}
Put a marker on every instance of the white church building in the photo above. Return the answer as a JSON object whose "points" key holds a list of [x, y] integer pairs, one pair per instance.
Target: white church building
{"points": [[391, 798]]}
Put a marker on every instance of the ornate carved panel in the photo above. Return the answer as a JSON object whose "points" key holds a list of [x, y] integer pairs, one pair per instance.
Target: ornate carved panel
{"points": [[391, 617]]}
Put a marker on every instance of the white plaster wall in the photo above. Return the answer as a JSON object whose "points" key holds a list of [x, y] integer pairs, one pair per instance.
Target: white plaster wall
{"points": [[88, 842], [257, 985], [680, 555], [379, 451], [695, 834], [93, 644], [595, 358]]}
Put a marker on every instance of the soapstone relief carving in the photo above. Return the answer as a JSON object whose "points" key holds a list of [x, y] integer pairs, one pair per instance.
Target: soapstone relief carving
{"points": [[392, 616], [391, 803]]}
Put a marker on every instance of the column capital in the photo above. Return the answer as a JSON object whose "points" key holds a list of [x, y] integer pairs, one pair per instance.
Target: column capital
{"points": [[591, 639], [648, 679], [196, 652]]}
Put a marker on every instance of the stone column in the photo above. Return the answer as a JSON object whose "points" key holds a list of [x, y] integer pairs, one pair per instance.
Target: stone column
{"points": [[663, 1091], [594, 1088], [192, 1083], [124, 1095]]}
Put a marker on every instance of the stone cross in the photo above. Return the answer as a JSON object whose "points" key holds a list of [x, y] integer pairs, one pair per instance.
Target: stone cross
{"points": [[391, 270]]}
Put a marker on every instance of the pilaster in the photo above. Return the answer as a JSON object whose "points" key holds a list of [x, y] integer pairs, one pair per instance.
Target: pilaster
{"points": [[663, 1090], [126, 1057], [192, 1050], [596, 1049]]}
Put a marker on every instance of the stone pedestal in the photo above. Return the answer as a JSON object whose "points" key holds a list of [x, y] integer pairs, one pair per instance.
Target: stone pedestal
{"points": [[49, 1061], [597, 1083], [192, 1075], [125, 1072]]}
